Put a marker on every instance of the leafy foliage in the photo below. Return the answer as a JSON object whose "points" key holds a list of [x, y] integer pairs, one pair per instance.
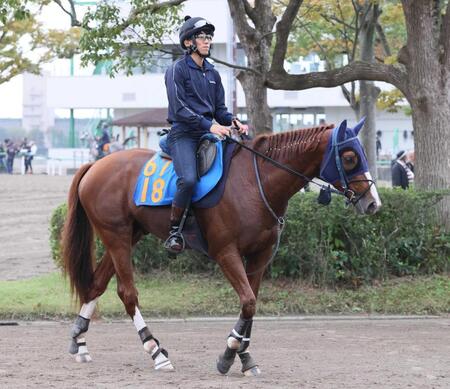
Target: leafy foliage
{"points": [[24, 42], [327, 246], [128, 41]]}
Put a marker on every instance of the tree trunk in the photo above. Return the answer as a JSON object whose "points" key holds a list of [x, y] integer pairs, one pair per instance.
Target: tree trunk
{"points": [[256, 42], [427, 60], [432, 145], [368, 97], [368, 91], [258, 110]]}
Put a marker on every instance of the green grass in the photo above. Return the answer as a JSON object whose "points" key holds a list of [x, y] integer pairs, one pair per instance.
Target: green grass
{"points": [[48, 297]]}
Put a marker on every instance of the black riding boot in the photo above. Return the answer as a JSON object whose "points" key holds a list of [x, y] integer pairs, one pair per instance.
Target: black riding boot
{"points": [[174, 244]]}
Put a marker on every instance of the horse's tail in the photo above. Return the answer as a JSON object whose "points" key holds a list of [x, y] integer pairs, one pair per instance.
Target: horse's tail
{"points": [[78, 241]]}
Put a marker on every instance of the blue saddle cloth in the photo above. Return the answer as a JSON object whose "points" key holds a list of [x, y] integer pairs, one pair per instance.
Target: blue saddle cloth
{"points": [[156, 184]]}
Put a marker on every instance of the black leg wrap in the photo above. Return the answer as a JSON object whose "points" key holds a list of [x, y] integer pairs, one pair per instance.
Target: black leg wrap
{"points": [[247, 361], [240, 329], [146, 335], [80, 326], [239, 332], [246, 340], [226, 360]]}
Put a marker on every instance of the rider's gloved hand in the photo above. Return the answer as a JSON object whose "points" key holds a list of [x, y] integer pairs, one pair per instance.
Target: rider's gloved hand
{"points": [[242, 128], [219, 130]]}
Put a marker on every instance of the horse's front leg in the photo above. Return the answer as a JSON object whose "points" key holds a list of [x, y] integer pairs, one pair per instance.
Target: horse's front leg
{"points": [[231, 264], [256, 265]]}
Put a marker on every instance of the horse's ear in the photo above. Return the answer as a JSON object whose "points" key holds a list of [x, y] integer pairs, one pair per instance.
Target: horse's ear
{"points": [[341, 131], [358, 126]]}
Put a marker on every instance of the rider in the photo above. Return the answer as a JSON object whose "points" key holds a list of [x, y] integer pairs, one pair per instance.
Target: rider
{"points": [[196, 98], [104, 139]]}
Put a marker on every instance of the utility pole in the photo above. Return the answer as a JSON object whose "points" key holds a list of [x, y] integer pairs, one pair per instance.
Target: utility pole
{"points": [[72, 116]]}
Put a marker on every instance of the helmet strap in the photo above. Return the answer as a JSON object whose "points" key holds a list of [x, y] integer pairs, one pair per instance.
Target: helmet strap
{"points": [[193, 49]]}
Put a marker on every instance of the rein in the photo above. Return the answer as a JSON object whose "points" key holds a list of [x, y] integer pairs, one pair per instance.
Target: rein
{"points": [[347, 193]]}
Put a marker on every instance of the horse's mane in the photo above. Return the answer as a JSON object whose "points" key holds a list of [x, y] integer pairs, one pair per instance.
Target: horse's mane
{"points": [[282, 144]]}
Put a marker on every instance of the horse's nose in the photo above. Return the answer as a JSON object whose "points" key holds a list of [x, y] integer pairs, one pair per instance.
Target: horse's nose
{"points": [[372, 208]]}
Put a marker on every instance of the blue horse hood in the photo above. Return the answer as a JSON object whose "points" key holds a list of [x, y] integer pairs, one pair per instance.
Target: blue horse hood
{"points": [[343, 138]]}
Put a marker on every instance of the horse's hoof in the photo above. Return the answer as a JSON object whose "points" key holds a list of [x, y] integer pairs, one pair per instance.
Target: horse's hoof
{"points": [[165, 366], [253, 372], [223, 365], [83, 358]]}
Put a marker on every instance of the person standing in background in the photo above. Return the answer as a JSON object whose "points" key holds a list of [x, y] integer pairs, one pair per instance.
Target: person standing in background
{"points": [[402, 175]]}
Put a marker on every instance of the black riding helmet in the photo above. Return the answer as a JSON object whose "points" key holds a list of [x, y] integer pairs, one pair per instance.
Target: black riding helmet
{"points": [[192, 26]]}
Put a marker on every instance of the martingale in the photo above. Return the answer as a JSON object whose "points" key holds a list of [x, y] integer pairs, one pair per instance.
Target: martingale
{"points": [[156, 184]]}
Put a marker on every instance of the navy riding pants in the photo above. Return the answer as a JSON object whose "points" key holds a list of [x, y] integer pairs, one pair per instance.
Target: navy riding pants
{"points": [[183, 147]]}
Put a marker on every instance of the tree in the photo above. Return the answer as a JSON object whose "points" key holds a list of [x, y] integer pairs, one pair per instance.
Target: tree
{"points": [[422, 74], [18, 23], [127, 41], [340, 32]]}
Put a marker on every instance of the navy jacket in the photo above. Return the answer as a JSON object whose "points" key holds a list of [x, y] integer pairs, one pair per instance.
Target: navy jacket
{"points": [[399, 176], [196, 96]]}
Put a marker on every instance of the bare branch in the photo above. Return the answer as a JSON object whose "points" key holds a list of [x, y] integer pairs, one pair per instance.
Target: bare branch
{"points": [[354, 71], [233, 66], [152, 8], [238, 14], [179, 52], [283, 28], [383, 39], [321, 48], [3, 35], [72, 13], [250, 11]]}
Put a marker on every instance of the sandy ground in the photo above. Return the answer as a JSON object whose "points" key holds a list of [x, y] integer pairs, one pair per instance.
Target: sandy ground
{"points": [[26, 204], [292, 354], [318, 353]]}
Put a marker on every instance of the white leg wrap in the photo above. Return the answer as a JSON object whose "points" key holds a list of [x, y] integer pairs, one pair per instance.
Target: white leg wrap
{"points": [[82, 355], [138, 320], [161, 361], [87, 310], [233, 343]]}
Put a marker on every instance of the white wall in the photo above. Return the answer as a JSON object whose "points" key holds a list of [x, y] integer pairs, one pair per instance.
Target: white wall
{"points": [[392, 126]]}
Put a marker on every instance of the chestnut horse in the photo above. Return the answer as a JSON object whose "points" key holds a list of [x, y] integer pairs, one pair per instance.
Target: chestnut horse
{"points": [[245, 223]]}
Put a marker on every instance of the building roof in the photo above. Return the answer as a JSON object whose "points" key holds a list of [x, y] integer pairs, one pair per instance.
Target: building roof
{"points": [[155, 117]]}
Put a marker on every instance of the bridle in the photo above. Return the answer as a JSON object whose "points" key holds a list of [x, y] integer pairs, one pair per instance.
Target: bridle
{"points": [[325, 190]]}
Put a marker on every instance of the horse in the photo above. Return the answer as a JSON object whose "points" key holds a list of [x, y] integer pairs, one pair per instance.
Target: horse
{"points": [[107, 148], [245, 223]]}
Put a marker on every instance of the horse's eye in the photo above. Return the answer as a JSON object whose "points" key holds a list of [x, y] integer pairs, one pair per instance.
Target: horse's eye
{"points": [[349, 160]]}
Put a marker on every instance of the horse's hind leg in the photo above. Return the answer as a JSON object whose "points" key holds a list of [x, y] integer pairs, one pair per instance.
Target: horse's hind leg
{"points": [[121, 255], [102, 276]]}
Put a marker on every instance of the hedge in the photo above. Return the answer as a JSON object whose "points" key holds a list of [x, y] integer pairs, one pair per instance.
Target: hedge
{"points": [[327, 245]]}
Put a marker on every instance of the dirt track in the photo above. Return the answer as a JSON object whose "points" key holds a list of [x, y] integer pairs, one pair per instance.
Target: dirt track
{"points": [[26, 204], [307, 354]]}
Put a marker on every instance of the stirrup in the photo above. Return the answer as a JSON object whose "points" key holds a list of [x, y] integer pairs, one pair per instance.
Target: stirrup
{"points": [[175, 243]]}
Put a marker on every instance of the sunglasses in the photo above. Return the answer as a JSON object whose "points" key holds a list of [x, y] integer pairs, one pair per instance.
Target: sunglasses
{"points": [[204, 37]]}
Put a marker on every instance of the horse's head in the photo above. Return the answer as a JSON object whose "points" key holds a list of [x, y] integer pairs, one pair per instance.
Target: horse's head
{"points": [[345, 166]]}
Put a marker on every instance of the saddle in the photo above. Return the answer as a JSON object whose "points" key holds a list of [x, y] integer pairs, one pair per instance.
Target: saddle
{"points": [[206, 152]]}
